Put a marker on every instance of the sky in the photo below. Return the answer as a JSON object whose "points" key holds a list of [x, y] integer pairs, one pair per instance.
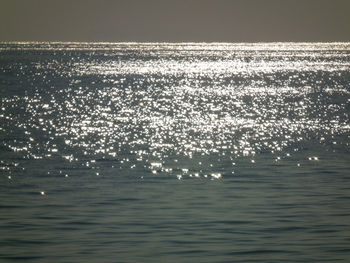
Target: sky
{"points": [[175, 20]]}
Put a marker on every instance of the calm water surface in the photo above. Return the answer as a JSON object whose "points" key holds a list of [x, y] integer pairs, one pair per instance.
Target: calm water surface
{"points": [[137, 152]]}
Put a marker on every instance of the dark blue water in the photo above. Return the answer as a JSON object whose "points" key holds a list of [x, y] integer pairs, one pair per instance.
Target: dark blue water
{"points": [[138, 152]]}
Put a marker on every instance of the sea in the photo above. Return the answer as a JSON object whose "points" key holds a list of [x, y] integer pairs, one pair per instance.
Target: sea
{"points": [[174, 152]]}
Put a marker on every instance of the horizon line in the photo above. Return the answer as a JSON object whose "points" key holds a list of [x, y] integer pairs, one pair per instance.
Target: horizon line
{"points": [[164, 42]]}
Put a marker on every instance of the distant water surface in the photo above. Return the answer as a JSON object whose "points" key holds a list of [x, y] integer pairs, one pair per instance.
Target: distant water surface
{"points": [[161, 152]]}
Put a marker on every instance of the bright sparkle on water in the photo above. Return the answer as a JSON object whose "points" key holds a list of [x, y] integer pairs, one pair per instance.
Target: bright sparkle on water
{"points": [[151, 104]]}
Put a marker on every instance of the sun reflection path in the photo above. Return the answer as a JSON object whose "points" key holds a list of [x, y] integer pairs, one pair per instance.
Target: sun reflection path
{"points": [[140, 103]]}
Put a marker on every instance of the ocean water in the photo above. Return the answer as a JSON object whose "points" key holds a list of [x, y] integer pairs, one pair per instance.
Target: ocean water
{"points": [[160, 152]]}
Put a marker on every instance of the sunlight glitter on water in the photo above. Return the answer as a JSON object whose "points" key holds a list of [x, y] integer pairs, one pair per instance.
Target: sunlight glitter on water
{"points": [[149, 102]]}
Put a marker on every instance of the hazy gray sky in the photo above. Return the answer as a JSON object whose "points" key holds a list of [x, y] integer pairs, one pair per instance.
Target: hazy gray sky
{"points": [[175, 20]]}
